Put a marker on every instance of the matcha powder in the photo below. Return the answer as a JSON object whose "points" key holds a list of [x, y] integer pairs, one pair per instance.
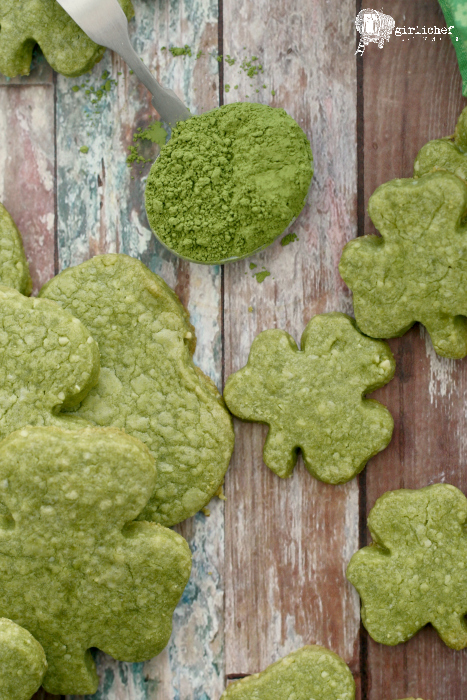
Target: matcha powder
{"points": [[229, 182]]}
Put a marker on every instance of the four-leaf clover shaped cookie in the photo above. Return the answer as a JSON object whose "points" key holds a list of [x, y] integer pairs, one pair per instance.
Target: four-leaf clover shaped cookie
{"points": [[417, 269], [75, 570], [313, 399], [48, 363], [448, 153], [311, 673], [22, 662], [414, 573], [148, 384], [65, 46], [14, 270]]}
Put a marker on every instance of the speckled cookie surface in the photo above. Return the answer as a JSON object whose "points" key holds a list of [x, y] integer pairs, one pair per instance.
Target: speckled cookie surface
{"points": [[448, 153], [311, 673], [148, 384], [14, 270], [313, 399], [75, 571], [24, 23], [48, 362], [414, 573], [22, 662], [417, 269]]}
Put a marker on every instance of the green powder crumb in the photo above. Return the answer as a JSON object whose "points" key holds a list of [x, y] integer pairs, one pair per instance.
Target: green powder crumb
{"points": [[250, 309], [273, 93], [219, 58], [252, 266], [163, 48], [180, 50], [131, 71], [228, 182], [235, 87], [155, 133], [75, 88], [227, 88], [230, 60], [84, 149], [289, 238], [199, 54], [261, 276]]}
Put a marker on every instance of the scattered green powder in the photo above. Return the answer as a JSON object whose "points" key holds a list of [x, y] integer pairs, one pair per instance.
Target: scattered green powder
{"points": [[199, 54], [155, 133], [227, 88], [252, 266], [219, 58], [181, 50], [230, 60], [229, 182], [289, 238], [84, 149], [261, 276]]}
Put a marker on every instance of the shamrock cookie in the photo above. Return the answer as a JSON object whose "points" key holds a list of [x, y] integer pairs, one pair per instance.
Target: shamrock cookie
{"points": [[148, 384], [310, 673], [22, 662], [24, 23], [414, 573], [417, 270], [14, 270], [74, 569], [313, 399], [48, 362], [445, 154]]}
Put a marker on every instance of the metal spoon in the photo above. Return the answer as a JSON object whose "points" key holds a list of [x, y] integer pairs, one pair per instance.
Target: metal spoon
{"points": [[106, 24]]}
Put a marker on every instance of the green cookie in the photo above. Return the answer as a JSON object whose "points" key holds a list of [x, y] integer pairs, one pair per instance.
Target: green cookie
{"points": [[311, 673], [75, 571], [148, 384], [22, 662], [414, 573], [417, 270], [48, 362], [24, 23], [445, 154], [14, 270], [313, 399]]}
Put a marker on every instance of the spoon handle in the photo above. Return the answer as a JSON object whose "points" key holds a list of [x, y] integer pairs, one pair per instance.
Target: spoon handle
{"points": [[105, 23]]}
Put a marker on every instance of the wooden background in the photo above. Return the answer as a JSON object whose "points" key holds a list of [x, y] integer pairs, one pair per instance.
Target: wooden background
{"points": [[269, 563]]}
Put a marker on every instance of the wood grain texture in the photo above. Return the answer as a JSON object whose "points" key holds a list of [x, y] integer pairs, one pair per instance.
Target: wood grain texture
{"points": [[412, 93], [101, 209], [27, 187], [288, 542]]}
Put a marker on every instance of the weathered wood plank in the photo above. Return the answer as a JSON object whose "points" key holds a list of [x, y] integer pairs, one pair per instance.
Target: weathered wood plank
{"points": [[101, 209], [288, 542], [27, 171], [412, 93]]}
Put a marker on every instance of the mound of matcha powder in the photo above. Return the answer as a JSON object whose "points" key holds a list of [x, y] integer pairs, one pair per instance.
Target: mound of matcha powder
{"points": [[229, 182]]}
